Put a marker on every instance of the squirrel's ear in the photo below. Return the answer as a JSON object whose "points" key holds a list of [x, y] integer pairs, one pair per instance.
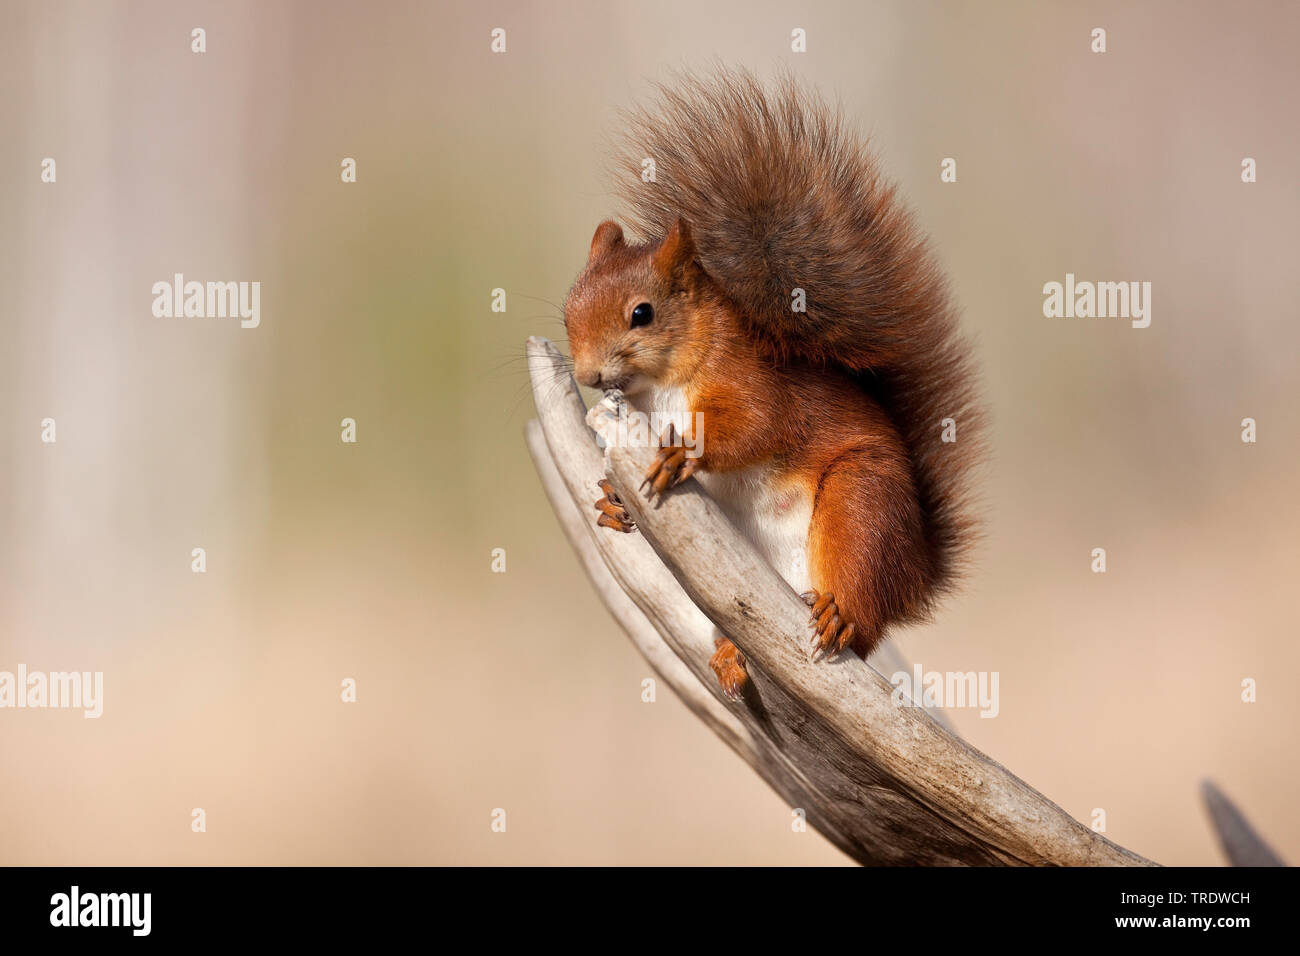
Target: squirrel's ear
{"points": [[676, 251], [608, 235]]}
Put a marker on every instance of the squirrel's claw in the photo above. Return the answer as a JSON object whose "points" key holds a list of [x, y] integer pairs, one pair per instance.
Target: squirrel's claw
{"points": [[830, 633], [612, 513], [671, 465], [823, 607], [605, 521], [729, 664]]}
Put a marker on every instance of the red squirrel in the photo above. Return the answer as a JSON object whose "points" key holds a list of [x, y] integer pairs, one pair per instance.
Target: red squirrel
{"points": [[785, 299]]}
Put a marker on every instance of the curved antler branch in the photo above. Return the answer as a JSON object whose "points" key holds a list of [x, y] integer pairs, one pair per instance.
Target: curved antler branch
{"points": [[886, 784]]}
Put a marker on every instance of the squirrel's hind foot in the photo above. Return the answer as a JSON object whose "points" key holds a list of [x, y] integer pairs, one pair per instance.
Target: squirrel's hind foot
{"points": [[831, 635], [729, 664]]}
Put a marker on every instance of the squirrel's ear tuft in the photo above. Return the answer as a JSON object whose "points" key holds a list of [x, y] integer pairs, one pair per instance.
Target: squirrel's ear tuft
{"points": [[608, 235], [676, 251]]}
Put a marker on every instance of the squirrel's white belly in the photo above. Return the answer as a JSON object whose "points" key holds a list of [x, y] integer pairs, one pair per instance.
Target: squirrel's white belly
{"points": [[774, 515], [774, 518]]}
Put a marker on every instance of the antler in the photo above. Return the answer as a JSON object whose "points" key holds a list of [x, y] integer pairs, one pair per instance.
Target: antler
{"points": [[886, 784]]}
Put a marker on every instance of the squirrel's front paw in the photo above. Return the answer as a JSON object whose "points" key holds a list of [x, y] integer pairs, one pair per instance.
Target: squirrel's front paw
{"points": [[729, 664], [612, 513], [671, 465], [831, 635]]}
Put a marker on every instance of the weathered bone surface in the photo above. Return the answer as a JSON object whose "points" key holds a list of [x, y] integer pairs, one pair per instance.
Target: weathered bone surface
{"points": [[886, 784]]}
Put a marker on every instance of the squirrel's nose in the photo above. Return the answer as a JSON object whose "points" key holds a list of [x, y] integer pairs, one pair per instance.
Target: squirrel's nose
{"points": [[589, 378]]}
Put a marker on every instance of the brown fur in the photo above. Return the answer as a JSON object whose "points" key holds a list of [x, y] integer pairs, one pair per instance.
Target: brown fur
{"points": [[758, 193]]}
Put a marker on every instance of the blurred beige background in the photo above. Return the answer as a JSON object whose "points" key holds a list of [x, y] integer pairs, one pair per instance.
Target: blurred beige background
{"points": [[372, 561]]}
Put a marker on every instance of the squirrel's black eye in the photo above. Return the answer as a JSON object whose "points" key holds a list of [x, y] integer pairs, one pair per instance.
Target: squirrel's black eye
{"points": [[643, 314]]}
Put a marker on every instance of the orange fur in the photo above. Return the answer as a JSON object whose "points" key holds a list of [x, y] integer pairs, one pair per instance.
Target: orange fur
{"points": [[758, 194]]}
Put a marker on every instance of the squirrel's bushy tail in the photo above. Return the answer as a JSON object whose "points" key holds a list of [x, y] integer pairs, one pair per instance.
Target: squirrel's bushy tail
{"points": [[781, 195]]}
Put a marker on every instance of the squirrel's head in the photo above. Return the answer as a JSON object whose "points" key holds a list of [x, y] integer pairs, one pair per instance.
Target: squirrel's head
{"points": [[634, 314]]}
